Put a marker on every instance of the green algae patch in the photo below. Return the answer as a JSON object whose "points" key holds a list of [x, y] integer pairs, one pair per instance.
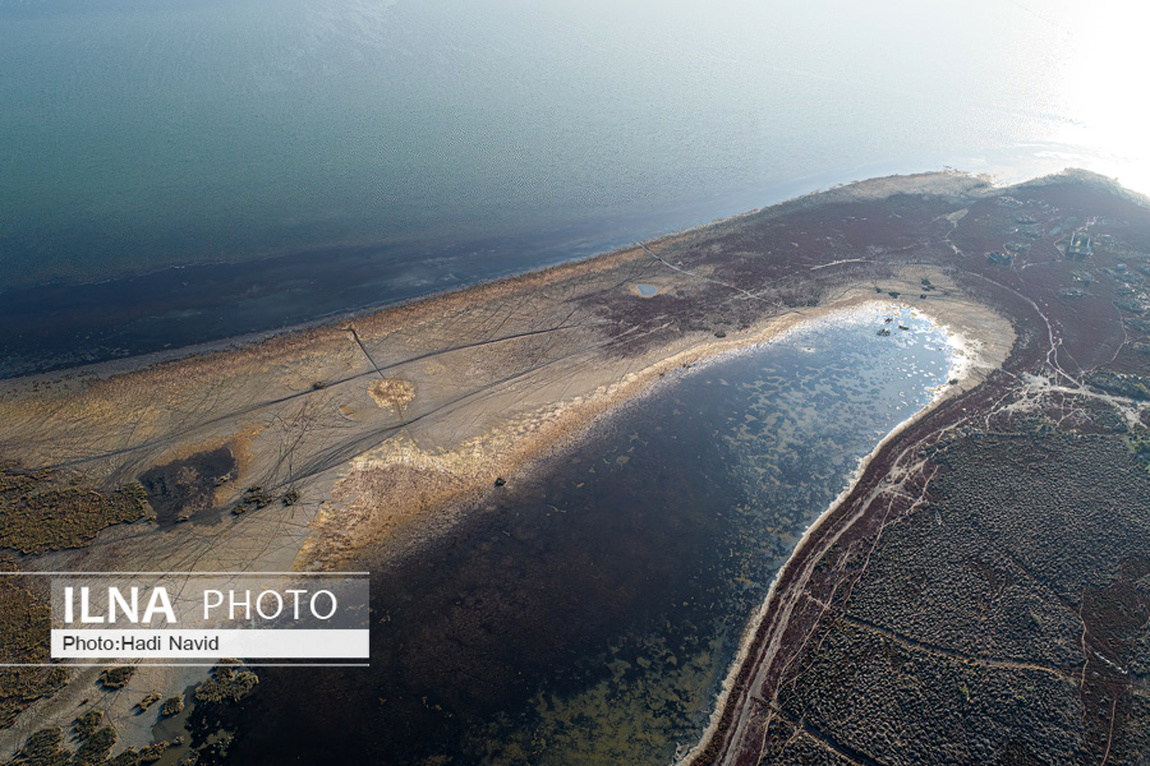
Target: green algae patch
{"points": [[171, 706], [96, 747], [25, 624], [38, 515], [88, 724], [117, 678], [227, 682], [46, 748], [627, 716], [43, 748], [150, 699], [255, 497]]}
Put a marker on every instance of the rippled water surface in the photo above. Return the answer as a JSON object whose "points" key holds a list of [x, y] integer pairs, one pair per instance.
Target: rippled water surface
{"points": [[304, 157], [590, 616]]}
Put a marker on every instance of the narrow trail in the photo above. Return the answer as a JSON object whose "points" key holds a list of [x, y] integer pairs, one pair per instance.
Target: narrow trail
{"points": [[800, 725], [914, 645], [756, 703], [738, 744], [363, 348], [175, 436]]}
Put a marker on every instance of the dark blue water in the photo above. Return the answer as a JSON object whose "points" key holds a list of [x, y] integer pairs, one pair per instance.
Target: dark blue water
{"points": [[62, 324], [590, 614], [330, 155]]}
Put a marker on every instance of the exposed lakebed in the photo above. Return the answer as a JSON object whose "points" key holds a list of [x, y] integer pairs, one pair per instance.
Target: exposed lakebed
{"points": [[589, 614]]}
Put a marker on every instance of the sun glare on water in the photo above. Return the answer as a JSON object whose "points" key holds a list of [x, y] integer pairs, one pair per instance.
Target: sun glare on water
{"points": [[1105, 61]]}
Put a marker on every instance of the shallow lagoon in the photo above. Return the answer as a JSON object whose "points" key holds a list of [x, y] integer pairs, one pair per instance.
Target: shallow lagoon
{"points": [[590, 615]]}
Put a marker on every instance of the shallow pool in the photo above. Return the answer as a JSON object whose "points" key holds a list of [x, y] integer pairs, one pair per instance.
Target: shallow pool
{"points": [[590, 615]]}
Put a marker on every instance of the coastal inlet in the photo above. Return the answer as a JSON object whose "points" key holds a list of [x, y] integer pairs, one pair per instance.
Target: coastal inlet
{"points": [[590, 614]]}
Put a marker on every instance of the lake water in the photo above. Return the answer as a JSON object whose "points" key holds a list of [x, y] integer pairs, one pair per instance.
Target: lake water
{"points": [[320, 155], [590, 615]]}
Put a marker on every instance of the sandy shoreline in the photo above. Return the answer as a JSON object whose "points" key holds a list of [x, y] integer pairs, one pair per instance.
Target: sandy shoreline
{"points": [[971, 361], [452, 479], [388, 424]]}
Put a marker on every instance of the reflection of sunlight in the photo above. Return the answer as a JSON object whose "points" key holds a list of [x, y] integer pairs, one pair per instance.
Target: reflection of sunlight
{"points": [[1102, 89]]}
